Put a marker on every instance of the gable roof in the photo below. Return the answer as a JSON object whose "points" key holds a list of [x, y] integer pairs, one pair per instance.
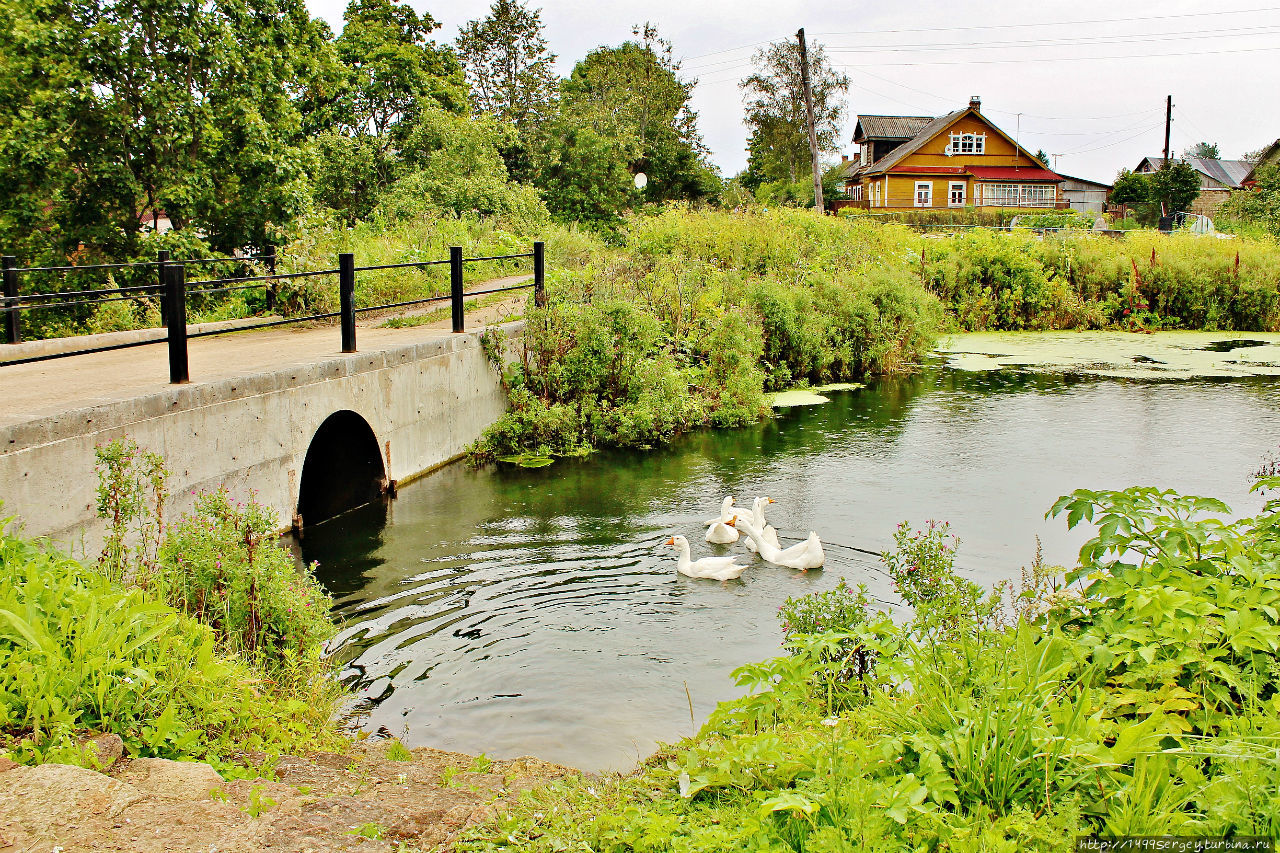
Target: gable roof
{"points": [[1229, 173], [889, 127], [923, 136]]}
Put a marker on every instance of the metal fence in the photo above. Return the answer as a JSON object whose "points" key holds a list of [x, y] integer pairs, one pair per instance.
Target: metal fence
{"points": [[173, 288]]}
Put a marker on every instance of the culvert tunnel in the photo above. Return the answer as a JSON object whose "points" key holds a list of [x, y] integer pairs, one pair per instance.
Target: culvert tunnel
{"points": [[343, 469]]}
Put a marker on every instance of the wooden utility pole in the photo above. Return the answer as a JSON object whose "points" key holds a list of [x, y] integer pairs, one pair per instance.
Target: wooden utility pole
{"points": [[1168, 120], [813, 134]]}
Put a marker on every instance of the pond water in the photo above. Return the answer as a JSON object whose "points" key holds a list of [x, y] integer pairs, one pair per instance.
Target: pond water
{"points": [[537, 611]]}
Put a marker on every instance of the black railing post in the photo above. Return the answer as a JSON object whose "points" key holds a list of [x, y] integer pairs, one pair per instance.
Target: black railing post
{"points": [[269, 259], [455, 286], [539, 275], [12, 328], [176, 296], [347, 299], [162, 264]]}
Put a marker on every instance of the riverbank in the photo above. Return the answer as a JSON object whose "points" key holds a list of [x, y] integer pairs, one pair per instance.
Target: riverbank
{"points": [[366, 798], [1141, 700]]}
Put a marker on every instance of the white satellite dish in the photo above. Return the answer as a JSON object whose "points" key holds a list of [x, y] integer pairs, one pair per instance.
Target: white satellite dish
{"points": [[642, 180]]}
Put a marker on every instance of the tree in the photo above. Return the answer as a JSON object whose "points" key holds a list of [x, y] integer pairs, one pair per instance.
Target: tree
{"points": [[622, 111], [393, 74], [508, 67], [1203, 150], [1175, 186], [1043, 157], [774, 100], [1130, 188], [113, 110], [1261, 205]]}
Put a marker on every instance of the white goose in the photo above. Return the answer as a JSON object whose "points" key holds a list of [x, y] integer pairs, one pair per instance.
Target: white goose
{"points": [[712, 568], [767, 531], [804, 555], [719, 531]]}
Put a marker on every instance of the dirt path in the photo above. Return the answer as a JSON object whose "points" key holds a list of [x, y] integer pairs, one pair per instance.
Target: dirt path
{"points": [[326, 802], [60, 385]]}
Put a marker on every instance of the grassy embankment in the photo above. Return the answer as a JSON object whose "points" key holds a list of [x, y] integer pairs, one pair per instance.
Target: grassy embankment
{"points": [[693, 315], [196, 641], [1143, 701]]}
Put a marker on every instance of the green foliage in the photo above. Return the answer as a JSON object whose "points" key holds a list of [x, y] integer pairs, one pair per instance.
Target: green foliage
{"points": [[1130, 188], [81, 653], [224, 565], [623, 110], [692, 319], [1260, 206], [116, 110], [1205, 150], [509, 69], [456, 166], [1146, 704], [776, 113], [397, 751], [1175, 186]]}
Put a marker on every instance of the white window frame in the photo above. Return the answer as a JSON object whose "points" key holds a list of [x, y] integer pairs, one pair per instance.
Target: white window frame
{"points": [[968, 143], [951, 194], [928, 193]]}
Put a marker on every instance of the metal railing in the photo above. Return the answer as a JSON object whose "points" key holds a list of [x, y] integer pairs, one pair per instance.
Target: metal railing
{"points": [[174, 290]]}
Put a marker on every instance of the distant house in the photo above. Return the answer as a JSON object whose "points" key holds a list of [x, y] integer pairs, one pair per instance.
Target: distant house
{"points": [[1269, 157], [1217, 179], [1085, 195], [956, 160]]}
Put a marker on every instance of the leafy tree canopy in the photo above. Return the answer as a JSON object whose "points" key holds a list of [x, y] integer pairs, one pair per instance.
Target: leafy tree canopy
{"points": [[774, 99], [393, 74], [112, 111], [1204, 150], [1043, 157], [1176, 186], [622, 111], [1130, 188], [508, 66]]}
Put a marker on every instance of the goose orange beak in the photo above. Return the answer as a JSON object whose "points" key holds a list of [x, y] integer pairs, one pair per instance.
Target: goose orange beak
{"points": [[771, 500], [733, 522], [670, 541]]}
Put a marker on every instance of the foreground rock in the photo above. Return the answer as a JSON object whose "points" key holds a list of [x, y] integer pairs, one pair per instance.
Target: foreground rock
{"points": [[359, 801]]}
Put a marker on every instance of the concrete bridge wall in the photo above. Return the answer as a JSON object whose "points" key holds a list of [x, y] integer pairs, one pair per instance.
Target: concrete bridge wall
{"points": [[425, 402]]}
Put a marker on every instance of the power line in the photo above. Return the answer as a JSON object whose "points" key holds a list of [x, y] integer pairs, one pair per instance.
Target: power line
{"points": [[1060, 58], [1144, 18], [1068, 41]]}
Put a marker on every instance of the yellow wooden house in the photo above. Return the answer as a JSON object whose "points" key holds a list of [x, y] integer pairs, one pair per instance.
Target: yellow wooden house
{"points": [[957, 160]]}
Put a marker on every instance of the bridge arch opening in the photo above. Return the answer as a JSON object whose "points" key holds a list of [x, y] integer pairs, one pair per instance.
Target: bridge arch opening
{"points": [[343, 469]]}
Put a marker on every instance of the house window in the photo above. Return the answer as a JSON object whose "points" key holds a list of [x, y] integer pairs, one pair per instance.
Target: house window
{"points": [[967, 143], [924, 194], [856, 192], [1019, 195]]}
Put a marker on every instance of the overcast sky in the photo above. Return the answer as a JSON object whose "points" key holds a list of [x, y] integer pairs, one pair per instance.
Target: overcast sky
{"points": [[1089, 79]]}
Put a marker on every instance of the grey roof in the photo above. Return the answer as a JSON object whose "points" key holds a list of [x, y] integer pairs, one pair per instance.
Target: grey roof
{"points": [[1070, 179], [889, 127], [1229, 173], [923, 135]]}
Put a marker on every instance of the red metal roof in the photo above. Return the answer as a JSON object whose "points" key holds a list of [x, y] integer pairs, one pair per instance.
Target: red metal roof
{"points": [[1009, 173]]}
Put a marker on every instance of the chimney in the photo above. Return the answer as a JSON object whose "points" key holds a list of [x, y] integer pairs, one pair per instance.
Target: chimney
{"points": [[844, 158], [975, 103]]}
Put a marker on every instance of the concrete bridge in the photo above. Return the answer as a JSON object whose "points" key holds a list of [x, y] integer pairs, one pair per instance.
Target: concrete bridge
{"points": [[284, 413]]}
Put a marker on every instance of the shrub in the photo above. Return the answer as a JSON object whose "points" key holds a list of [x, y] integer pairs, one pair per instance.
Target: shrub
{"points": [[79, 653], [224, 566]]}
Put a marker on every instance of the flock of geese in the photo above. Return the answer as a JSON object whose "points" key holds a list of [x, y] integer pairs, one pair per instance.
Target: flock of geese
{"points": [[761, 538]]}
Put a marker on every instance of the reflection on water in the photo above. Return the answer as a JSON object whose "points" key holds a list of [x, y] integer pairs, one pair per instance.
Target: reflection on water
{"points": [[516, 611]]}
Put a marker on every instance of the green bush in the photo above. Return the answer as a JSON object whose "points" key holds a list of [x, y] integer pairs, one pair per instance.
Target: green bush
{"points": [[224, 566], [80, 654]]}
